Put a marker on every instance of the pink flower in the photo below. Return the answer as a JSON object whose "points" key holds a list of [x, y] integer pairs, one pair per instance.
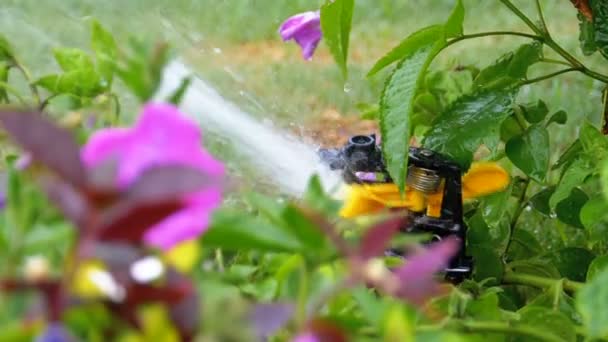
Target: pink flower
{"points": [[305, 29], [306, 337], [162, 135]]}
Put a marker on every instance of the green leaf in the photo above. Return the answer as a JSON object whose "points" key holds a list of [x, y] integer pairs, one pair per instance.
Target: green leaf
{"points": [[510, 68], [600, 25], [417, 41], [572, 153], [591, 303], [396, 107], [530, 152], [550, 321], [104, 46], [572, 262], [453, 26], [368, 111], [485, 307], [593, 141], [316, 197], [303, 229], [597, 265], [487, 263], [6, 50], [469, 122], [233, 230], [141, 70], [178, 94], [4, 69], [574, 176], [535, 113], [569, 209], [494, 206], [586, 35], [71, 59], [560, 117], [555, 298], [523, 245], [540, 201], [593, 212], [82, 83], [336, 20], [510, 128]]}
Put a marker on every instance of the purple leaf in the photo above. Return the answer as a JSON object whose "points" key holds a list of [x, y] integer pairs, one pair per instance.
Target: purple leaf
{"points": [[69, 201], [186, 316], [416, 277], [129, 220], [46, 142], [268, 318], [376, 239], [160, 182]]}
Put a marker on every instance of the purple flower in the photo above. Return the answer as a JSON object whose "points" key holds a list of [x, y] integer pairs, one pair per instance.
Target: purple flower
{"points": [[55, 332], [162, 135], [417, 275], [305, 29]]}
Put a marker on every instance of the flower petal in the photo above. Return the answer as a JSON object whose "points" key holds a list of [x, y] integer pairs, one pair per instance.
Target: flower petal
{"points": [[305, 29], [105, 144]]}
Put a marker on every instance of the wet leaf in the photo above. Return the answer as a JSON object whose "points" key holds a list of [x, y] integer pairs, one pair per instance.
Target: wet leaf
{"points": [[33, 132], [397, 105], [600, 25], [550, 321], [575, 175], [530, 152], [569, 209], [509, 68], [470, 121], [572, 262], [540, 200], [336, 20]]}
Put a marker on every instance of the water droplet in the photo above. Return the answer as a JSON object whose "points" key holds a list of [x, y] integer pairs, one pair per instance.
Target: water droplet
{"points": [[347, 88], [217, 50]]}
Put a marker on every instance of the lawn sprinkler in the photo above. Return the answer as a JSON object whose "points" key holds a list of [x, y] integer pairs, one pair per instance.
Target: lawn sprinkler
{"points": [[430, 174]]}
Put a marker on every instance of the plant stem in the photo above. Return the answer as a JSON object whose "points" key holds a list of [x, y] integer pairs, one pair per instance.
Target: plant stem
{"points": [[301, 314], [542, 78], [492, 33], [29, 79], [219, 258], [541, 17], [507, 329], [540, 282], [522, 204], [546, 39], [13, 91], [555, 61]]}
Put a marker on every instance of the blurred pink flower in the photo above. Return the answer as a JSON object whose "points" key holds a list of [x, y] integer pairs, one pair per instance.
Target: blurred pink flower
{"points": [[306, 337], [161, 136], [305, 29]]}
